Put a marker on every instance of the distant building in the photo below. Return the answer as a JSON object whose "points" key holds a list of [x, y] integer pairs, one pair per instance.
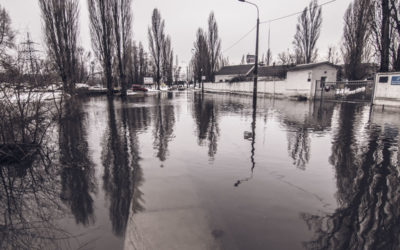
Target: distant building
{"points": [[296, 81], [250, 59], [324, 71], [227, 73]]}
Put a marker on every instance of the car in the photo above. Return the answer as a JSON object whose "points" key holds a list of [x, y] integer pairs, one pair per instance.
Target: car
{"points": [[181, 87], [138, 88]]}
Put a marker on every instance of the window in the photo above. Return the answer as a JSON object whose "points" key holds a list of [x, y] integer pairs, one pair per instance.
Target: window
{"points": [[383, 79]]}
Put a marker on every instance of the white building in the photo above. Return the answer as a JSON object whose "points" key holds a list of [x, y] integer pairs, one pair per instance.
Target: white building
{"points": [[387, 89], [300, 80]]}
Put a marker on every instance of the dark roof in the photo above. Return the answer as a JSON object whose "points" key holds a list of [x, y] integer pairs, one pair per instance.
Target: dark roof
{"points": [[235, 69], [311, 66], [277, 70]]}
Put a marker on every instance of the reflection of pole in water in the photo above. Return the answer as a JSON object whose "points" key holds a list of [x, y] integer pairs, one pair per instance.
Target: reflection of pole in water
{"points": [[251, 135]]}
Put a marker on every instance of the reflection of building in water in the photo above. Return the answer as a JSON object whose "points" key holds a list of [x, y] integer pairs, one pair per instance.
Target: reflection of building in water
{"points": [[120, 156], [206, 117], [164, 121], [367, 187], [301, 122], [300, 118], [77, 174]]}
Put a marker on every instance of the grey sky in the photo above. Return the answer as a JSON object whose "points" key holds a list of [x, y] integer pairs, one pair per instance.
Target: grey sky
{"points": [[184, 17]]}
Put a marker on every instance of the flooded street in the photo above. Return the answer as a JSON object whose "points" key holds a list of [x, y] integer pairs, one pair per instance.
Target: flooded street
{"points": [[181, 170]]}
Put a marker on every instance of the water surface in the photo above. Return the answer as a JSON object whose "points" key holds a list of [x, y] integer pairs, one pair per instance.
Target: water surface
{"points": [[182, 170]]}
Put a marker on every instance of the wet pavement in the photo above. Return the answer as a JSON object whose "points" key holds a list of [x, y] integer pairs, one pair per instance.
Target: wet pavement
{"points": [[182, 170]]}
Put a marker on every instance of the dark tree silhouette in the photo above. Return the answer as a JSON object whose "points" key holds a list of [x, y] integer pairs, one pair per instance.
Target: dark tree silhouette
{"points": [[201, 56], [356, 33], [122, 172], [102, 36], [77, 174], [7, 34], [156, 42], [206, 117], [60, 19], [164, 121], [122, 20], [368, 186], [214, 45]]}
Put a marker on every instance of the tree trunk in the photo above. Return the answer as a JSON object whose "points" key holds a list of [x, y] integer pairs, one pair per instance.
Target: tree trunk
{"points": [[385, 39]]}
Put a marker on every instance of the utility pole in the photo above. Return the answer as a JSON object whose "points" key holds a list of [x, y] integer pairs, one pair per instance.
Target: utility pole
{"points": [[256, 56]]}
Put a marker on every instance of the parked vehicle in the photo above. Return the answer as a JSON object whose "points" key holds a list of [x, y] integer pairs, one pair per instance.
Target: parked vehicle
{"points": [[181, 87], [138, 88]]}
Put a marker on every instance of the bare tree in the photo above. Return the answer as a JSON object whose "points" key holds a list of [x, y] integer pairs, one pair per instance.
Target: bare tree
{"points": [[268, 59], [214, 45], [395, 24], [243, 61], [133, 63], [223, 61], [333, 55], [382, 32], [6, 33], [167, 58], [356, 32], [156, 41], [143, 63], [177, 70], [201, 55], [286, 58], [60, 24], [101, 31], [385, 34], [122, 19], [307, 33]]}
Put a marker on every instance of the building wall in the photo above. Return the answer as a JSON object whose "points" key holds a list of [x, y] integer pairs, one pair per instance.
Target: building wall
{"points": [[263, 87], [386, 93], [299, 83]]}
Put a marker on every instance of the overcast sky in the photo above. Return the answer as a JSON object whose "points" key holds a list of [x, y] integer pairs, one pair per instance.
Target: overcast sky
{"points": [[184, 17]]}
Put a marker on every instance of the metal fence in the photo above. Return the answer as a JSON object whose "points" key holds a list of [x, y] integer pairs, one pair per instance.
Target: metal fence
{"points": [[344, 90]]}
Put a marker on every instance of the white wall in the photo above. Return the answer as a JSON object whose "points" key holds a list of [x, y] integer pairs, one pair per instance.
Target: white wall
{"points": [[324, 70], [263, 87], [386, 93], [296, 83]]}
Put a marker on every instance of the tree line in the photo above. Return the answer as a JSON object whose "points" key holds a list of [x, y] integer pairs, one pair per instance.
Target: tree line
{"points": [[122, 60], [207, 55], [371, 34]]}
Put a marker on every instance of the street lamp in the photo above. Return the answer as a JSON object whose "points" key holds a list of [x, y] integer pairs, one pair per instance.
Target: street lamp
{"points": [[256, 62]]}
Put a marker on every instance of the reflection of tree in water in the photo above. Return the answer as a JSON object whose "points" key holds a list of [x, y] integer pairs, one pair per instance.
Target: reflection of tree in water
{"points": [[77, 174], [122, 172], [298, 134], [29, 202], [299, 146], [205, 114], [164, 121], [368, 188]]}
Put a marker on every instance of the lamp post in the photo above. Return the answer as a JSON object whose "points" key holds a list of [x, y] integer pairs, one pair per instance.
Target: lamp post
{"points": [[256, 62]]}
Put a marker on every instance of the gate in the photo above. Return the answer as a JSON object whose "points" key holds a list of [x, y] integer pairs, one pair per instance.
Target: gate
{"points": [[358, 91]]}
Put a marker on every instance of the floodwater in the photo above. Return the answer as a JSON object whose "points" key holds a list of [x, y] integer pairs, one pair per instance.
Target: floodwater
{"points": [[184, 171]]}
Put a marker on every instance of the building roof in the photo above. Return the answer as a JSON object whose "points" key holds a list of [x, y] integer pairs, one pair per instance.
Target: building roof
{"points": [[277, 70], [311, 66], [243, 69]]}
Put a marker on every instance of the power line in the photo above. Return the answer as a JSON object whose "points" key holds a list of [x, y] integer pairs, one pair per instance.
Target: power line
{"points": [[296, 13], [273, 20], [243, 37]]}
